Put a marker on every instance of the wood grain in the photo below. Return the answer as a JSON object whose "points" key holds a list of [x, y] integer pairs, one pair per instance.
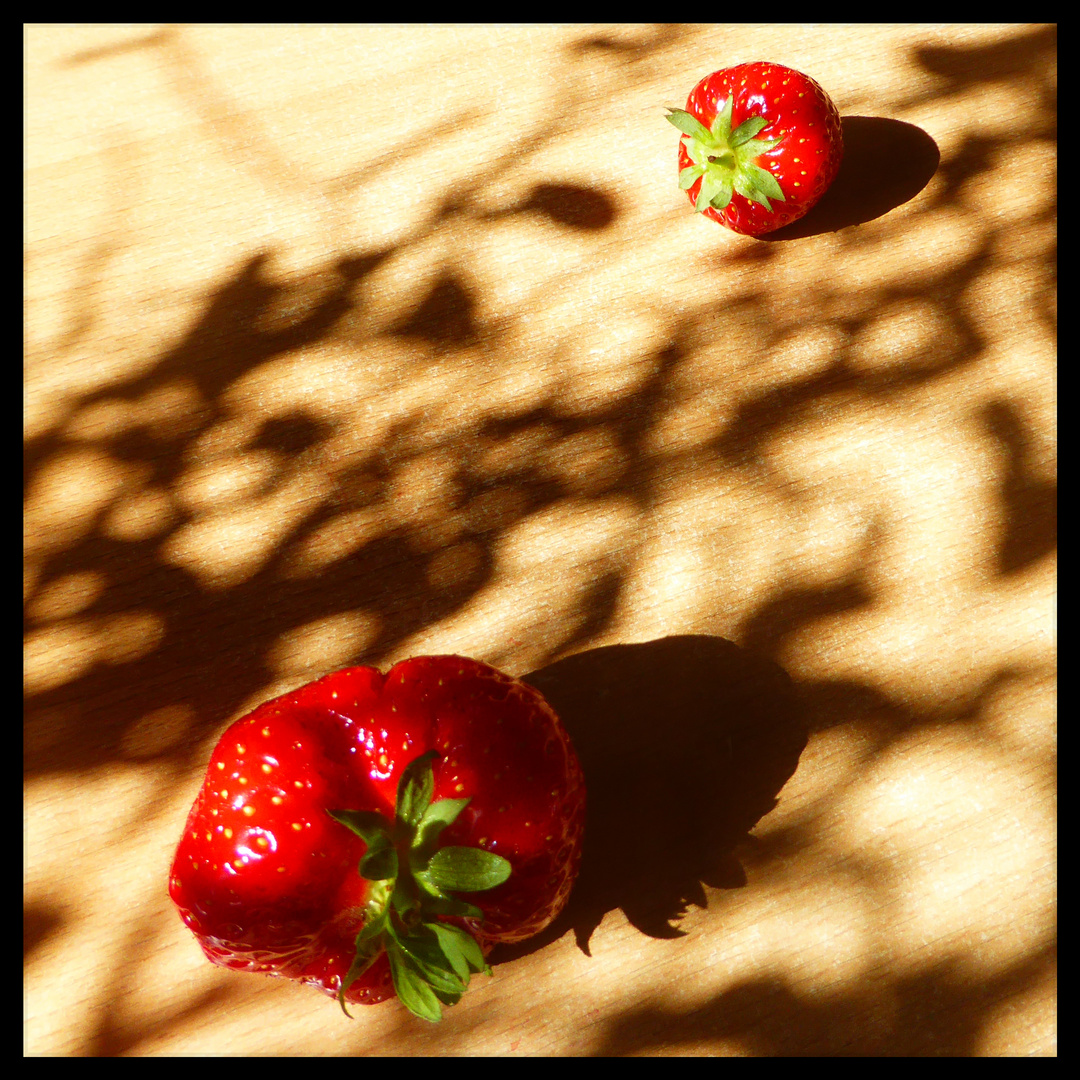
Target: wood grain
{"points": [[345, 344]]}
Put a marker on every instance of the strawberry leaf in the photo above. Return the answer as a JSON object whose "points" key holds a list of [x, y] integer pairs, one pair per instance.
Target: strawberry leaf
{"points": [[721, 126], [439, 903], [466, 869], [369, 825], [413, 990], [689, 125], [380, 863], [765, 182], [460, 948], [689, 175], [745, 187], [425, 953], [747, 130], [362, 960], [697, 153], [436, 818], [415, 788], [750, 151], [724, 197], [711, 186], [725, 159], [430, 962], [369, 942]]}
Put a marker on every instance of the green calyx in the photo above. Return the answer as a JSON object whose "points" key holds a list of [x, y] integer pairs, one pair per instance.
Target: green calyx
{"points": [[412, 884], [725, 159]]}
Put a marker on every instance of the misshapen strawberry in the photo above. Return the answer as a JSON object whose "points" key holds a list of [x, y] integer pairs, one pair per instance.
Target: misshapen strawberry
{"points": [[371, 834], [761, 144]]}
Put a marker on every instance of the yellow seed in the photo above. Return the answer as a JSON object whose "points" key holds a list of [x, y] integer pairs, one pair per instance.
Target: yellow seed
{"points": [[266, 733], [265, 768], [249, 810], [261, 841], [241, 748], [277, 800], [209, 837], [224, 793], [228, 834], [298, 783], [221, 764], [297, 826], [459, 787], [281, 869]]}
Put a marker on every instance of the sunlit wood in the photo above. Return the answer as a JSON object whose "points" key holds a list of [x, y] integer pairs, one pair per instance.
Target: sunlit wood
{"points": [[345, 344]]}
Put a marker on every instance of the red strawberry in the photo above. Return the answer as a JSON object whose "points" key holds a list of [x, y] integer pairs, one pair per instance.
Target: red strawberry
{"points": [[374, 833], [754, 135]]}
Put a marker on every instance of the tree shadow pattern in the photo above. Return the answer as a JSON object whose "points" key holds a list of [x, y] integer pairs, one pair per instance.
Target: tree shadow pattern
{"points": [[733, 714]]}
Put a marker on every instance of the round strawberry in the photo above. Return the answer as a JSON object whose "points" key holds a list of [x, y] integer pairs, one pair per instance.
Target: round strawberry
{"points": [[761, 144], [372, 834]]}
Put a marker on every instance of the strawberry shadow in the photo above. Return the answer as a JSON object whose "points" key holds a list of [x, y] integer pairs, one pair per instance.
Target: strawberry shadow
{"points": [[886, 164], [685, 743]]}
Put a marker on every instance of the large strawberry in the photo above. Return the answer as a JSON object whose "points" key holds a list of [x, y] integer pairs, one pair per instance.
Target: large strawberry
{"points": [[374, 833], [761, 144]]}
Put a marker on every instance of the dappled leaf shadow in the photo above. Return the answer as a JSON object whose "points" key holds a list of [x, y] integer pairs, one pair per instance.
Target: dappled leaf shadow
{"points": [[886, 164], [685, 743], [1021, 56], [41, 920], [572, 205], [1030, 502], [290, 434], [790, 608], [445, 317], [939, 1012], [635, 45]]}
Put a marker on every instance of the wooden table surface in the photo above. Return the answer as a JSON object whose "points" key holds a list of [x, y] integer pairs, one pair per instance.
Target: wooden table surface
{"points": [[346, 344]]}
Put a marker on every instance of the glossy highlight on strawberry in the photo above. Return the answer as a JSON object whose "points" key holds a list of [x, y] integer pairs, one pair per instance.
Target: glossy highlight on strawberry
{"points": [[761, 143], [374, 834]]}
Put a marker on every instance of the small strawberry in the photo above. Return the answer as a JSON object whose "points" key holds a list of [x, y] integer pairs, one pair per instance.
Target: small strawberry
{"points": [[372, 834], [754, 135]]}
